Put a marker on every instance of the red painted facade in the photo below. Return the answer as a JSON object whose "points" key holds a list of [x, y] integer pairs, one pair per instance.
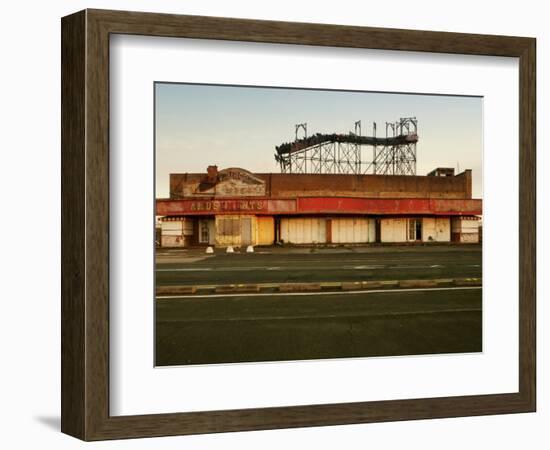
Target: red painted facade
{"points": [[320, 205]]}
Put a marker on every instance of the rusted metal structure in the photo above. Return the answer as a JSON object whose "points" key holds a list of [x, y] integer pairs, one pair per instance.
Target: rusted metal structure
{"points": [[394, 154]]}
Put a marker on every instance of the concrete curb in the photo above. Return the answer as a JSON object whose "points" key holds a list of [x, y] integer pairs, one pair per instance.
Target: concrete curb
{"points": [[317, 287], [176, 290], [236, 288], [407, 284], [468, 282], [299, 287]]}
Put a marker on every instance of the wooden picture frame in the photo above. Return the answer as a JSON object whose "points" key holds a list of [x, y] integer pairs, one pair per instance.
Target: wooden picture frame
{"points": [[85, 224]]}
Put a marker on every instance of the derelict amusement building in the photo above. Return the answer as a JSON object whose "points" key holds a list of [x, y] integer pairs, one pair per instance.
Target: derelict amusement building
{"points": [[327, 193]]}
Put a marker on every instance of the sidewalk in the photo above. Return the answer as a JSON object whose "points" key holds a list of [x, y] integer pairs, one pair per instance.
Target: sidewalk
{"points": [[173, 254]]}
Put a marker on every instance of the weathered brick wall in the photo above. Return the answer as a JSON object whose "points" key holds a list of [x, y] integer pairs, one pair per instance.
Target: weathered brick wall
{"points": [[379, 186], [326, 185]]}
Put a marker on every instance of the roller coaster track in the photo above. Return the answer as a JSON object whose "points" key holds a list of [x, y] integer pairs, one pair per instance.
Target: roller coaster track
{"points": [[394, 154], [318, 139]]}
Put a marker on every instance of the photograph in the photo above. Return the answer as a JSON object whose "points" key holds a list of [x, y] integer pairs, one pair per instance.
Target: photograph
{"points": [[307, 224]]}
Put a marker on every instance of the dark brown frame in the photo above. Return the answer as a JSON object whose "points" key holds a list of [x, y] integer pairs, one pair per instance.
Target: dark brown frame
{"points": [[85, 224]]}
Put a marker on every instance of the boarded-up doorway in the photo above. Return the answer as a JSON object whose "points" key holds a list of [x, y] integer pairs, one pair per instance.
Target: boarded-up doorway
{"points": [[246, 231]]}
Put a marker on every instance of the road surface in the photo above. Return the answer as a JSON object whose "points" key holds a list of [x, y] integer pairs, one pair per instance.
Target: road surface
{"points": [[318, 265]]}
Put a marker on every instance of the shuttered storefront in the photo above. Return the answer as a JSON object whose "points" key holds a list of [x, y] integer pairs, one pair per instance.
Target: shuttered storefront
{"points": [[327, 230], [394, 230], [304, 231], [350, 231]]}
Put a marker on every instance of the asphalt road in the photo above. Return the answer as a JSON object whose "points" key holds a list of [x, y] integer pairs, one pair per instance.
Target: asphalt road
{"points": [[314, 326], [193, 267]]}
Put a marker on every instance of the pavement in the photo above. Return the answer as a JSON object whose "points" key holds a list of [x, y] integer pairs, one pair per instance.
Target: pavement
{"points": [[311, 303]]}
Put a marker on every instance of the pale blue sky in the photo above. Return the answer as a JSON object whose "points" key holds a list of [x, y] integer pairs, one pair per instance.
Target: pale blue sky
{"points": [[199, 125]]}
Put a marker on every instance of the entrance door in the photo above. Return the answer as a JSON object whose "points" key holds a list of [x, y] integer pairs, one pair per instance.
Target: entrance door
{"points": [[415, 230], [206, 231], [418, 230], [246, 231]]}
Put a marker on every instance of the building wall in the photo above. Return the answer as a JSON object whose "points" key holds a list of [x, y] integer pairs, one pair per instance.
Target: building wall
{"points": [[372, 186], [372, 230], [436, 229], [465, 230], [279, 185], [443, 229], [176, 233]]}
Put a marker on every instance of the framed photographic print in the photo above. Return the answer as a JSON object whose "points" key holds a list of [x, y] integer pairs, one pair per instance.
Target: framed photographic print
{"points": [[271, 224]]}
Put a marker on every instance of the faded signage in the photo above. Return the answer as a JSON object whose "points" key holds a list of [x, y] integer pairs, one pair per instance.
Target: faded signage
{"points": [[235, 182], [237, 174], [228, 205], [321, 205], [167, 207], [234, 188]]}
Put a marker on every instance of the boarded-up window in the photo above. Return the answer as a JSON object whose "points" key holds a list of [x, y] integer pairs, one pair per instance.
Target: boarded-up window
{"points": [[229, 226]]}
